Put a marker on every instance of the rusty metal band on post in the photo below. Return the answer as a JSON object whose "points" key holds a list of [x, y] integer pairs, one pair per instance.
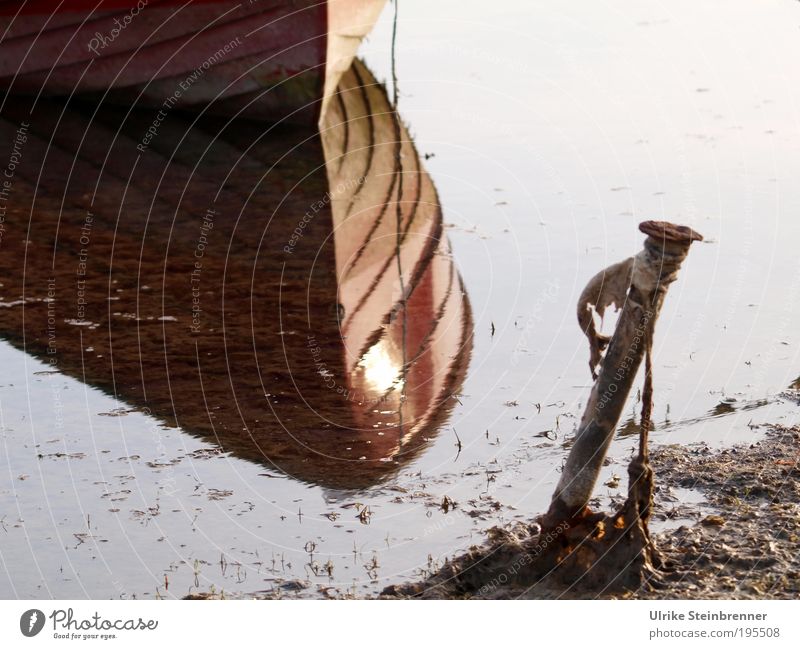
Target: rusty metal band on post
{"points": [[654, 269]]}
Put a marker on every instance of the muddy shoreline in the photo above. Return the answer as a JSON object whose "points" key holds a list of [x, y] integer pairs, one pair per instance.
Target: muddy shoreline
{"points": [[725, 522], [735, 538], [743, 543]]}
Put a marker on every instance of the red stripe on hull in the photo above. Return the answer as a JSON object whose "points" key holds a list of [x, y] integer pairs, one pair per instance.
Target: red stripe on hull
{"points": [[94, 37], [274, 58], [49, 7], [203, 53]]}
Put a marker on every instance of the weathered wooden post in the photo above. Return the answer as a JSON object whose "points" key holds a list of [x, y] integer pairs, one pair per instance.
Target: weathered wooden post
{"points": [[638, 285], [573, 550]]}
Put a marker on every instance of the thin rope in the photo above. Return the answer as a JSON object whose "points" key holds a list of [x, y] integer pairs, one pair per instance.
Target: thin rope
{"points": [[399, 218]]}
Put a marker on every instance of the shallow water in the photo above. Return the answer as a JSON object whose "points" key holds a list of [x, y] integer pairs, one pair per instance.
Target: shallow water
{"points": [[553, 132]]}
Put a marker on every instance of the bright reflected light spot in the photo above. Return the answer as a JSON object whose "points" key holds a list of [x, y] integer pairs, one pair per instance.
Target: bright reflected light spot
{"points": [[380, 369]]}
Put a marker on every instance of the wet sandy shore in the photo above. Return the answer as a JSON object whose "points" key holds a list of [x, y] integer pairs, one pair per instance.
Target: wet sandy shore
{"points": [[729, 522], [743, 540]]}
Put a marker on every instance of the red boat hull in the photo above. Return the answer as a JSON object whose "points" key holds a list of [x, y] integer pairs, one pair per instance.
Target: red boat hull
{"points": [[263, 59]]}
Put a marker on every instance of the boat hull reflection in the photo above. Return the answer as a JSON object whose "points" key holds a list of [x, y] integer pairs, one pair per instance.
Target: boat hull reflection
{"points": [[243, 282]]}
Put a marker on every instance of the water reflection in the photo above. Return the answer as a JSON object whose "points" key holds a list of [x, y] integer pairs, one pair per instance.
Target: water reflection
{"points": [[285, 293]]}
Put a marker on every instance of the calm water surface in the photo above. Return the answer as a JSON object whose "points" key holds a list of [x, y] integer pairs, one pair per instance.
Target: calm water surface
{"points": [[264, 451]]}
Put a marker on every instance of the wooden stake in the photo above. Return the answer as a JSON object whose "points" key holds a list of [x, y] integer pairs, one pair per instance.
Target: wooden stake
{"points": [[651, 273]]}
